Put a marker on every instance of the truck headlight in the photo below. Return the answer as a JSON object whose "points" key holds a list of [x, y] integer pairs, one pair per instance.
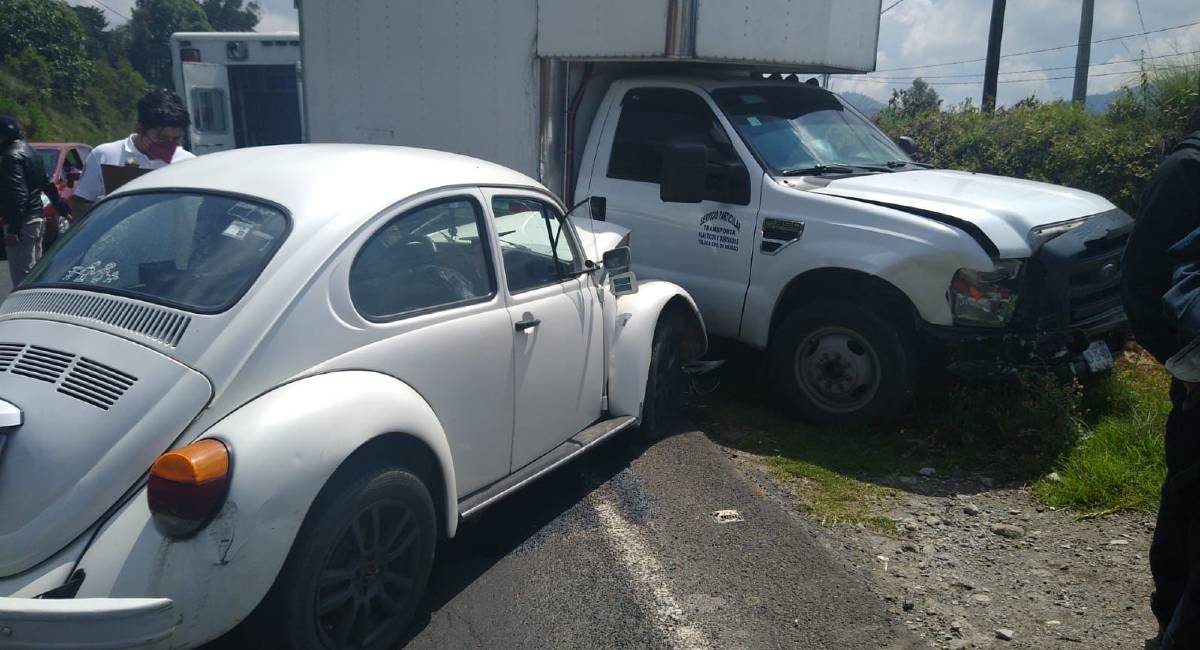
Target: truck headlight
{"points": [[985, 298]]}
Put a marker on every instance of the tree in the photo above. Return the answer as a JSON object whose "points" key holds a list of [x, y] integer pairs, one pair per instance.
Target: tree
{"points": [[913, 101], [49, 32], [230, 16], [150, 29], [95, 26]]}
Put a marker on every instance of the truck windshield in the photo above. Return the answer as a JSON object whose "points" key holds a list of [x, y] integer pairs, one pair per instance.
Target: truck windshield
{"points": [[805, 128], [198, 252]]}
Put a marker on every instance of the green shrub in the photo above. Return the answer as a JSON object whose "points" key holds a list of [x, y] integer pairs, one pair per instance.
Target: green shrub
{"points": [[1112, 155]]}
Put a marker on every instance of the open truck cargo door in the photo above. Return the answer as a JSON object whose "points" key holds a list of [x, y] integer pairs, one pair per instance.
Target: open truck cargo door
{"points": [[206, 92]]}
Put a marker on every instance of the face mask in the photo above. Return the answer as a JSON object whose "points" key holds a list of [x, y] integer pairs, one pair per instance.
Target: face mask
{"points": [[163, 151]]}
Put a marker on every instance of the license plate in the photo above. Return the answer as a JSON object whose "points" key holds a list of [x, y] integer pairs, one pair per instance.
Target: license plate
{"points": [[1098, 356]]}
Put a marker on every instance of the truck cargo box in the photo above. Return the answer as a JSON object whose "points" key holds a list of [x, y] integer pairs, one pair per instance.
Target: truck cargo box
{"points": [[492, 78]]}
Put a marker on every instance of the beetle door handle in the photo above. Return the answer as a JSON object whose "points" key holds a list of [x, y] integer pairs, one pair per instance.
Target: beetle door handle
{"points": [[531, 323]]}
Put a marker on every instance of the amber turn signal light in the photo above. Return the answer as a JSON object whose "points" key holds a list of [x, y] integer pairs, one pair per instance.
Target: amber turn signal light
{"points": [[187, 486]]}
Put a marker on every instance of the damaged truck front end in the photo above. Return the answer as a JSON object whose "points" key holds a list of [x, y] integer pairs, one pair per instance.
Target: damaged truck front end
{"points": [[1058, 310]]}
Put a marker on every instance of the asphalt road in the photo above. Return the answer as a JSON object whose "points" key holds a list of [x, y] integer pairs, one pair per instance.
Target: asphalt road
{"points": [[621, 550]]}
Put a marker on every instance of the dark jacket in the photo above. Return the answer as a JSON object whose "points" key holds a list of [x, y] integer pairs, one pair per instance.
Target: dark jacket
{"points": [[22, 178], [1169, 213]]}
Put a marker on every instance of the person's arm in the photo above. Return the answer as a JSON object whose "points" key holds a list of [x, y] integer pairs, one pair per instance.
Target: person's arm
{"points": [[16, 195], [89, 187]]}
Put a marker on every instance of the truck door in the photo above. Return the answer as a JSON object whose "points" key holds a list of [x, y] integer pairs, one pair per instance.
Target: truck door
{"points": [[206, 92], [704, 247]]}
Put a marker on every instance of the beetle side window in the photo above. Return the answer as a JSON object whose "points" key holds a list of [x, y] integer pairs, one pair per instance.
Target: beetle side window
{"points": [[428, 258], [653, 117], [535, 246]]}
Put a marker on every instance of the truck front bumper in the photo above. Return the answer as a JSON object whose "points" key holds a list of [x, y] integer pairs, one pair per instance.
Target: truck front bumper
{"points": [[86, 623], [978, 351]]}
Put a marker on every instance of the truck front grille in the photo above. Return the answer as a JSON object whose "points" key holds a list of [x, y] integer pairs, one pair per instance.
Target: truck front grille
{"points": [[1073, 282]]}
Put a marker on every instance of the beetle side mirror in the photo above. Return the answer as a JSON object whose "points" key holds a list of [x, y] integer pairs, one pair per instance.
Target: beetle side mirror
{"points": [[616, 261], [683, 171], [907, 145], [598, 205]]}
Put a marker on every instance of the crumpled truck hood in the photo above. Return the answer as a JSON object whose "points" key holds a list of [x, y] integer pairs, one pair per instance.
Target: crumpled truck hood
{"points": [[1004, 209]]}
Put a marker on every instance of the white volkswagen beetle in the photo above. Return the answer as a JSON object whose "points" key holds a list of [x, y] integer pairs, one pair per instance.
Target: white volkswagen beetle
{"points": [[244, 384]]}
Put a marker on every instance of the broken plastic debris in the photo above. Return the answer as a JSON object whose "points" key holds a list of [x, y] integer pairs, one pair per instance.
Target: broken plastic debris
{"points": [[727, 516]]}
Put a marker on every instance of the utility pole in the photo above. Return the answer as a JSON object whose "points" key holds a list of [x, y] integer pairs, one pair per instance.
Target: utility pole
{"points": [[991, 71], [1083, 54]]}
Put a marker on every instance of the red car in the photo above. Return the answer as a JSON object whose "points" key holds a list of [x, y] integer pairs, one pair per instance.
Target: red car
{"points": [[63, 162]]}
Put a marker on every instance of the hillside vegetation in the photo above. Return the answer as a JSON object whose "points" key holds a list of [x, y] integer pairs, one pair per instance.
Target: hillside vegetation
{"points": [[66, 75]]}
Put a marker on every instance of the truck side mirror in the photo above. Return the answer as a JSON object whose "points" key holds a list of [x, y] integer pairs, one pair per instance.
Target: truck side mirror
{"points": [[907, 145], [616, 261], [683, 172], [73, 176], [598, 205]]}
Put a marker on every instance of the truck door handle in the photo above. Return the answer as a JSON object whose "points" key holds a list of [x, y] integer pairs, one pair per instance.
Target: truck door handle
{"points": [[531, 323]]}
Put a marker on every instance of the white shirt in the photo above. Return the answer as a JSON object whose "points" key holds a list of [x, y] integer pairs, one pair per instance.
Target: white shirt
{"points": [[91, 185]]}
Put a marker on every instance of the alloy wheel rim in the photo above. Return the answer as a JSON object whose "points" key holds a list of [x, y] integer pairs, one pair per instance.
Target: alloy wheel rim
{"points": [[368, 576]]}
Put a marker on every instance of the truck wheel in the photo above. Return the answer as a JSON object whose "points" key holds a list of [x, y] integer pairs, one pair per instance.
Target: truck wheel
{"points": [[358, 567], [837, 362], [664, 384]]}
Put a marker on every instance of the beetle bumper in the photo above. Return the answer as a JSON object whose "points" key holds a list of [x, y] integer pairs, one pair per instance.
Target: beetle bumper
{"points": [[88, 623]]}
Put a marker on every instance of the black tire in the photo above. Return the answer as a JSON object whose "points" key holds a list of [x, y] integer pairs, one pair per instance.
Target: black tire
{"points": [[367, 600], [837, 362], [664, 384]]}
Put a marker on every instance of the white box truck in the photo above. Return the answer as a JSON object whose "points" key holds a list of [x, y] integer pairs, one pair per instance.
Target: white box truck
{"points": [[798, 226], [242, 89]]}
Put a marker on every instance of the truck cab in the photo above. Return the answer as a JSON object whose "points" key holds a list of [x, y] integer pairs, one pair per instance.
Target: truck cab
{"points": [[802, 230]]}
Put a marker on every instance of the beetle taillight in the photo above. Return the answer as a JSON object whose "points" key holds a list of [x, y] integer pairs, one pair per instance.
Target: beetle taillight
{"points": [[187, 486]]}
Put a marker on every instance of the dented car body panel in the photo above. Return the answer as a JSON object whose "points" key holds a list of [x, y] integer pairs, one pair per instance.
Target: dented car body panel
{"points": [[312, 362]]}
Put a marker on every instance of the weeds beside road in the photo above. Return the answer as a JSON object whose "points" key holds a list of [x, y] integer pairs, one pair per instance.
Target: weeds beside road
{"points": [[1093, 446]]}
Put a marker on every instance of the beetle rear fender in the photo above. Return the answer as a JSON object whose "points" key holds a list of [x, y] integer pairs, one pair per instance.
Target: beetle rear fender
{"points": [[285, 447], [290, 442], [637, 315]]}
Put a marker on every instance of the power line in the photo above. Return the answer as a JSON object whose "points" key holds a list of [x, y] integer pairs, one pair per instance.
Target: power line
{"points": [[1026, 80], [111, 9], [890, 7], [1039, 51], [1028, 70], [1138, 4]]}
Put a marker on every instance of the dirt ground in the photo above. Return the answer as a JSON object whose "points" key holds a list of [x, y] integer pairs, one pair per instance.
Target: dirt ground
{"points": [[977, 565]]}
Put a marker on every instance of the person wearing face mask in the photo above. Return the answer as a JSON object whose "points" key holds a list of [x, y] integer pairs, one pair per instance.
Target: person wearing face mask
{"points": [[162, 120]]}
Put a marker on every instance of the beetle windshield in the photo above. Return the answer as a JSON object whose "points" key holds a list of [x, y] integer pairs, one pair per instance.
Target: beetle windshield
{"points": [[195, 251], [803, 128]]}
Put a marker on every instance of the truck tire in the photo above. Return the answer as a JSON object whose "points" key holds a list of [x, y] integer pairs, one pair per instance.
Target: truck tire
{"points": [[837, 362], [664, 383], [358, 568]]}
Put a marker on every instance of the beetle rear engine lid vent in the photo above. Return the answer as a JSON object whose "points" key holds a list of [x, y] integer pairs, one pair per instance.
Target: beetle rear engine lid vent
{"points": [[158, 324]]}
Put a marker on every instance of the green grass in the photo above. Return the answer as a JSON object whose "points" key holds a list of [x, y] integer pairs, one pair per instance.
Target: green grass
{"points": [[1118, 464], [1102, 437]]}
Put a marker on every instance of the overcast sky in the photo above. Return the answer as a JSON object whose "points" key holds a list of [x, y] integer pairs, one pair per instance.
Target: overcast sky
{"points": [[924, 32]]}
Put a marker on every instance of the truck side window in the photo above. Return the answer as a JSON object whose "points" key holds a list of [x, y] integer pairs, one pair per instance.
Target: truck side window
{"points": [[653, 117], [533, 243]]}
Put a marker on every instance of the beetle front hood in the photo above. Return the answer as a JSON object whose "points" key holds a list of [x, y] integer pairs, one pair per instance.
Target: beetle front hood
{"points": [[1004, 209], [96, 411]]}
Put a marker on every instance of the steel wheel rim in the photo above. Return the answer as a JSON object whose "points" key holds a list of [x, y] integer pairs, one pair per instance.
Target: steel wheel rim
{"points": [[368, 576], [837, 369]]}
